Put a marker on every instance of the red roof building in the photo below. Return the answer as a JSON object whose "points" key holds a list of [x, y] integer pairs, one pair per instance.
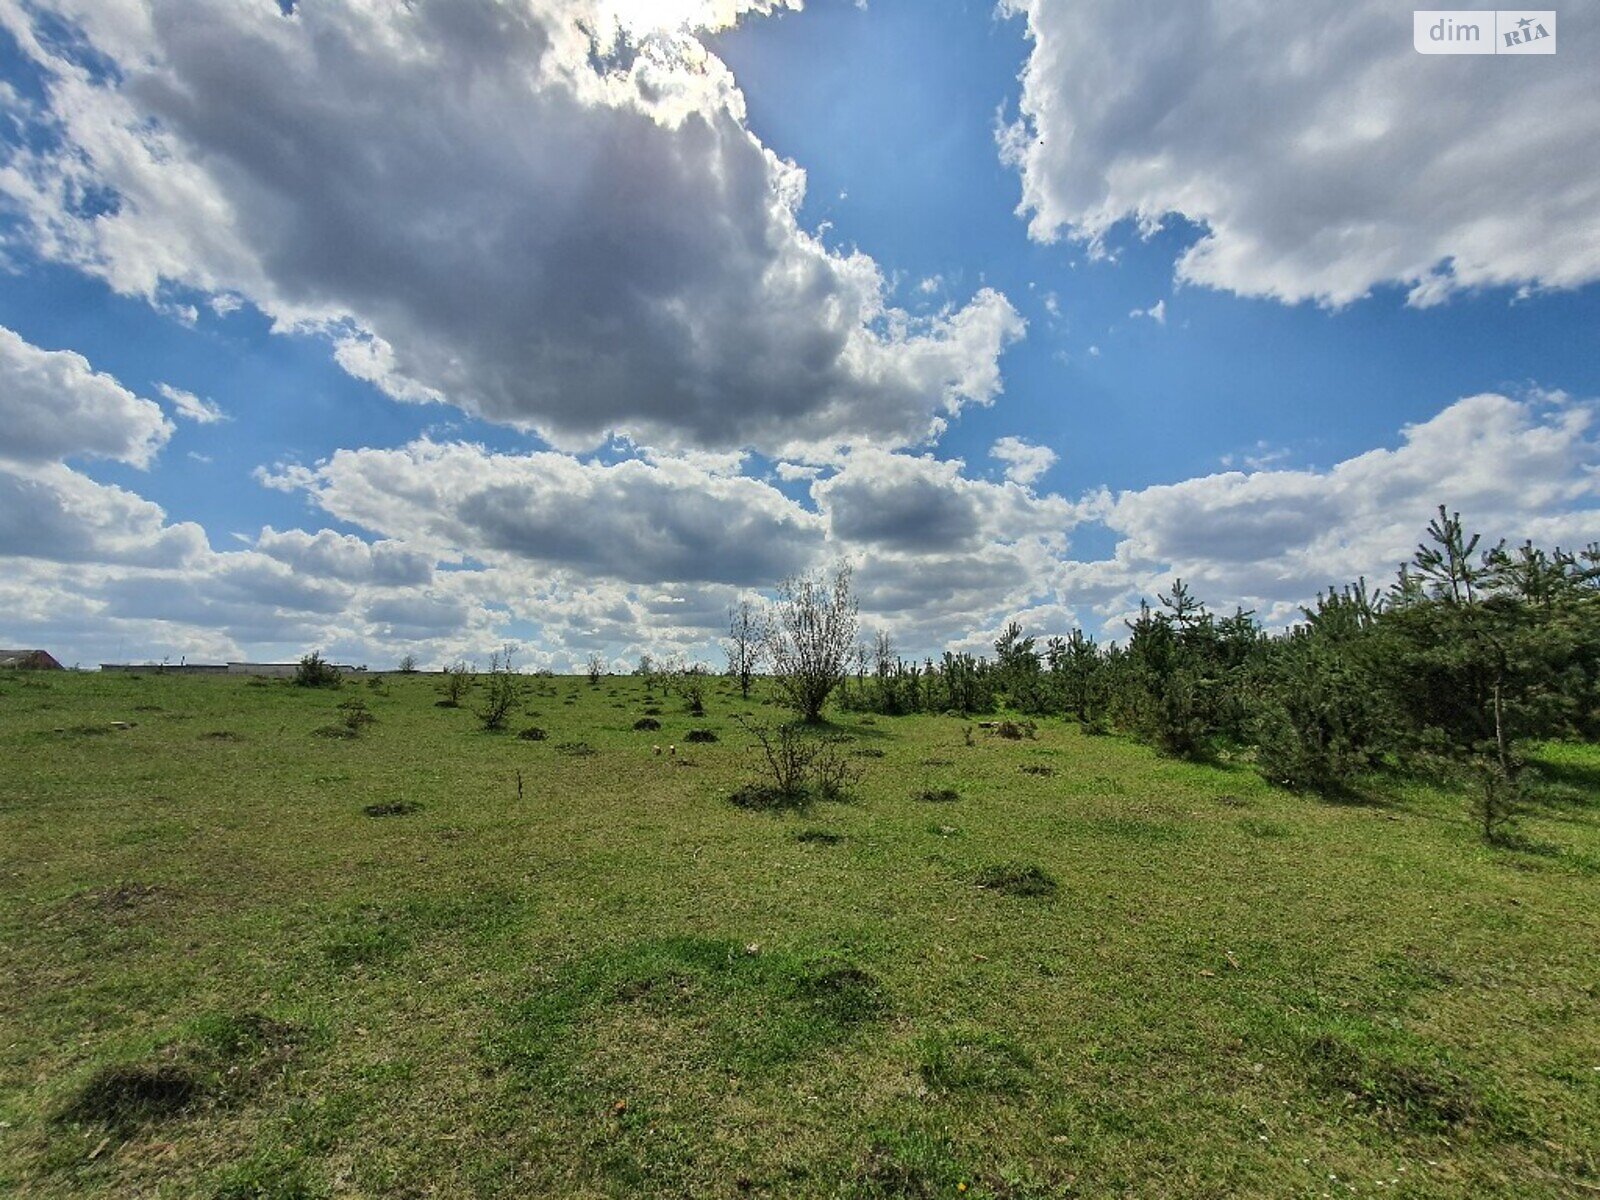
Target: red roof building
{"points": [[29, 660]]}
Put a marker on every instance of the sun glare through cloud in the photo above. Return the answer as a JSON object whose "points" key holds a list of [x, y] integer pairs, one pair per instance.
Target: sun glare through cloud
{"points": [[646, 18]]}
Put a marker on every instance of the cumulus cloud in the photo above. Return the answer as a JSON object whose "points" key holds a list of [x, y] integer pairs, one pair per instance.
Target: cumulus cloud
{"points": [[1322, 155], [666, 521], [90, 566], [1024, 461], [330, 555], [901, 502], [940, 554], [646, 17], [51, 512], [499, 205], [583, 549], [191, 407], [645, 555], [54, 405], [1515, 468]]}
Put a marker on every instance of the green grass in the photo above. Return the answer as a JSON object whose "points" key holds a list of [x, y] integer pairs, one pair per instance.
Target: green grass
{"points": [[244, 960]]}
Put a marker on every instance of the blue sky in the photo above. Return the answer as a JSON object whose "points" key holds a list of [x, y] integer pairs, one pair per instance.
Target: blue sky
{"points": [[523, 336], [894, 108]]}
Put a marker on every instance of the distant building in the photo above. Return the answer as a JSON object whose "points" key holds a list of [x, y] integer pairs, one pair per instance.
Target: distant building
{"points": [[269, 670], [281, 670], [29, 660], [165, 668]]}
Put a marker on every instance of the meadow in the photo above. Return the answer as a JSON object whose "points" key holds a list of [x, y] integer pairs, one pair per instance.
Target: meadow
{"points": [[245, 959]]}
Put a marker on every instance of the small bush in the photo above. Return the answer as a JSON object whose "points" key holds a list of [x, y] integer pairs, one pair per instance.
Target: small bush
{"points": [[866, 752], [1037, 769], [646, 724], [692, 683], [457, 683], [315, 671], [1017, 879], [503, 694], [533, 734], [801, 767], [833, 775], [700, 735], [355, 716], [576, 749], [937, 795]]}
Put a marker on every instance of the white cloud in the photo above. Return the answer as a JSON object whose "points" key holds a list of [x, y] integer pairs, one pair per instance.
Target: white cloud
{"points": [[1321, 153], [191, 407], [920, 504], [54, 405], [342, 556], [49, 511], [1515, 468], [1157, 312], [1024, 461], [459, 546], [670, 520], [657, 17], [488, 205]]}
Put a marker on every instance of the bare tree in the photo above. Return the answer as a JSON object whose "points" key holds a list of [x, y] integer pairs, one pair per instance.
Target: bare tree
{"points": [[812, 638], [746, 644], [595, 668]]}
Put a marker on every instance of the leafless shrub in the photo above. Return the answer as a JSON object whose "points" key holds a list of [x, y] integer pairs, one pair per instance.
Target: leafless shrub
{"points": [[800, 767]]}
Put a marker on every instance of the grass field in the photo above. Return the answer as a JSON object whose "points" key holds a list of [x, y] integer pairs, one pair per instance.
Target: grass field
{"points": [[223, 978]]}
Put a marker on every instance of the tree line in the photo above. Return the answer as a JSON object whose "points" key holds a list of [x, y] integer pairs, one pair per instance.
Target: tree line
{"points": [[1470, 655]]}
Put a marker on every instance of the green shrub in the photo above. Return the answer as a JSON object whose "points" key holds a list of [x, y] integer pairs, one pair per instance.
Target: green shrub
{"points": [[315, 671]]}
